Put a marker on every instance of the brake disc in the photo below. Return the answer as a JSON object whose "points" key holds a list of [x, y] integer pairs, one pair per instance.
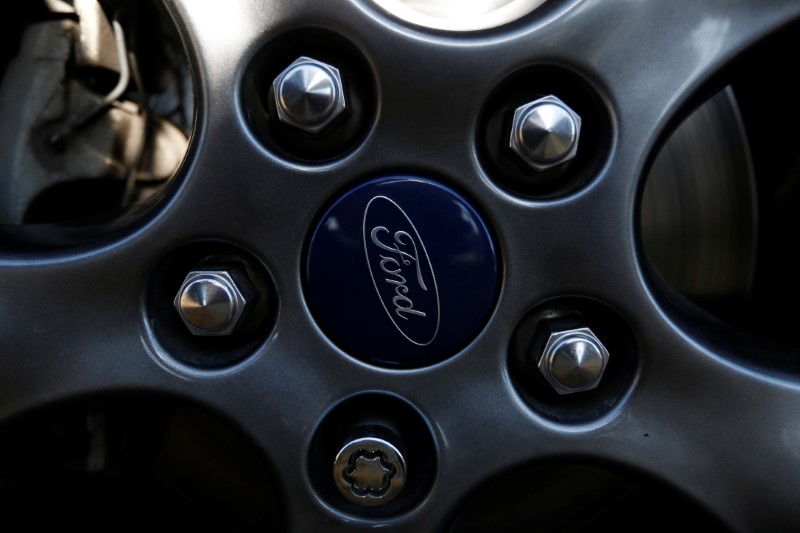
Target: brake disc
{"points": [[699, 213]]}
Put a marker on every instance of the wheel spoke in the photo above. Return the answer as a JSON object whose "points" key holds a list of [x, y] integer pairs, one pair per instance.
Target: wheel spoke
{"points": [[72, 326]]}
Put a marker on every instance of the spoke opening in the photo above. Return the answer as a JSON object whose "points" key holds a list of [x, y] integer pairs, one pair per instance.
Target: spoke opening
{"points": [[131, 461], [96, 110], [719, 206], [579, 496]]}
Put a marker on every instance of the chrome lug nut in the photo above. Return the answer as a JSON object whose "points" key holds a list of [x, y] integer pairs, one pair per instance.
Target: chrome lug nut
{"points": [[573, 360], [211, 302], [369, 471], [309, 94], [545, 132]]}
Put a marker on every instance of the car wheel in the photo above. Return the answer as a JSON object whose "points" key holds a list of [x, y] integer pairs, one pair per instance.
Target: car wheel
{"points": [[687, 404]]}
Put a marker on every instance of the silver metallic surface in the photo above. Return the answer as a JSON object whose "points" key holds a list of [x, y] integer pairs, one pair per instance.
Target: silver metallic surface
{"points": [[309, 94], [545, 132], [59, 6], [573, 360], [83, 116], [369, 471], [459, 15], [96, 40], [210, 303]]}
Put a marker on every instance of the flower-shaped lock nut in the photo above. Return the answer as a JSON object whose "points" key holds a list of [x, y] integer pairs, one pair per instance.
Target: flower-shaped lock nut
{"points": [[369, 471]]}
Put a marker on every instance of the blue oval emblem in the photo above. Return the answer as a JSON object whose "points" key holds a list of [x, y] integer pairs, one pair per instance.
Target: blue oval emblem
{"points": [[401, 270]]}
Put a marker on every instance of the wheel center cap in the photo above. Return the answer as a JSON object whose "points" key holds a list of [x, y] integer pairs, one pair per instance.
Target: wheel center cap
{"points": [[401, 271]]}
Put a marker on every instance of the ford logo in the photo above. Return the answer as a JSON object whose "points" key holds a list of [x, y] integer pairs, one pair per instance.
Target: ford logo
{"points": [[401, 270]]}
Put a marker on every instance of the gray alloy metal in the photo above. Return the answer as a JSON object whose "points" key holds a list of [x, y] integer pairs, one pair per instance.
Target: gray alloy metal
{"points": [[711, 412], [309, 94], [369, 471], [545, 132], [210, 303], [573, 360]]}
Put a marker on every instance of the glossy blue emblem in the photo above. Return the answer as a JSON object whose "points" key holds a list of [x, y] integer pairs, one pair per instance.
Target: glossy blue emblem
{"points": [[401, 271]]}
